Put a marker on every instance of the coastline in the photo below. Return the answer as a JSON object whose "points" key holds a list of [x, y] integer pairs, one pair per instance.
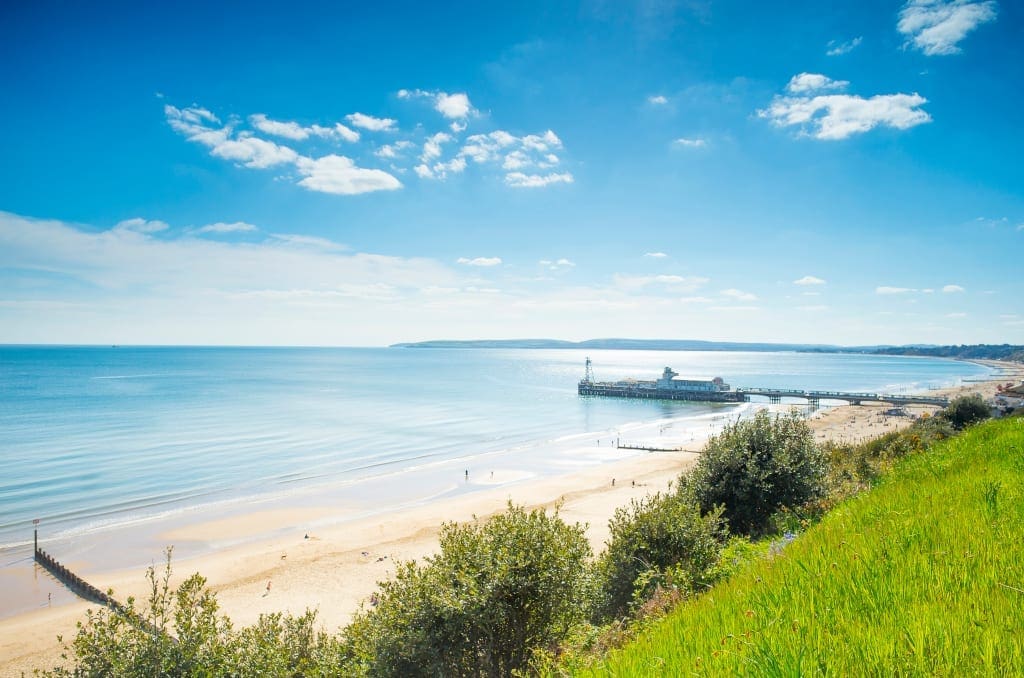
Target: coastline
{"points": [[339, 563]]}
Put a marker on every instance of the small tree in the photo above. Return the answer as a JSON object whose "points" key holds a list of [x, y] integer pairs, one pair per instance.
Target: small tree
{"points": [[966, 410], [495, 592], [756, 466], [648, 538]]}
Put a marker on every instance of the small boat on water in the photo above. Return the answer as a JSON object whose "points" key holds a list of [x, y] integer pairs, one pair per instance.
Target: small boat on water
{"points": [[666, 388]]}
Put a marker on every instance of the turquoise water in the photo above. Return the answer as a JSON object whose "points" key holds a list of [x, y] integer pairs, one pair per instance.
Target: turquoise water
{"points": [[94, 438]]}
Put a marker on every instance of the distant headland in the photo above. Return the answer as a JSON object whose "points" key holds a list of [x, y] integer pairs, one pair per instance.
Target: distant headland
{"points": [[963, 351]]}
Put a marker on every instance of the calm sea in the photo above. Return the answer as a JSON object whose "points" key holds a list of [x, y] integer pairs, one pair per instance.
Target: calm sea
{"points": [[98, 437]]}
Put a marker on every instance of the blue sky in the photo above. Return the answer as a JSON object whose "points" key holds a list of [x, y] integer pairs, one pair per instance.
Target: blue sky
{"points": [[360, 175]]}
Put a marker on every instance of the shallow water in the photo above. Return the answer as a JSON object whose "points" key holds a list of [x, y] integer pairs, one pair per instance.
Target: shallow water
{"points": [[98, 438]]}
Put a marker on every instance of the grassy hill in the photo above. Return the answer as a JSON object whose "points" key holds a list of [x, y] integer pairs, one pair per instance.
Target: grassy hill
{"points": [[924, 575]]}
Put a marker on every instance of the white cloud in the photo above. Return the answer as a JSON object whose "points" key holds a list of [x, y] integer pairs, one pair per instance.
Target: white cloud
{"points": [[393, 150], [371, 123], [839, 48], [690, 143], [885, 289], [656, 255], [289, 130], [950, 289], [937, 26], [457, 127], [432, 147], [221, 227], [838, 116], [423, 172], [254, 152], [738, 295], [520, 180], [480, 261], [296, 132], [809, 280], [695, 300], [140, 225], [956, 315], [814, 82], [1020, 227], [657, 100], [339, 175], [454, 106], [814, 308], [346, 133], [557, 265], [515, 160]]}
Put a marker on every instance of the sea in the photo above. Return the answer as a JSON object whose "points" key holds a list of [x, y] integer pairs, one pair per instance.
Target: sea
{"points": [[100, 439]]}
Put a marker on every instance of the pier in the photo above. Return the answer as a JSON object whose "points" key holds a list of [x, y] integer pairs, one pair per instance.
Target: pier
{"points": [[775, 396]]}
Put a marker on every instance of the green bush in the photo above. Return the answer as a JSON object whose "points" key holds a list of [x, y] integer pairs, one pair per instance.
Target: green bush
{"points": [[966, 410], [181, 633], [648, 538], [756, 466], [495, 592]]}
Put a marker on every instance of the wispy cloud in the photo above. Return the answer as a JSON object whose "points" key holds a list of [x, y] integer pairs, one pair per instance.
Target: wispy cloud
{"points": [[808, 82], [557, 264], [657, 100], [885, 290], [684, 142], [221, 227], [327, 174], [368, 122], [952, 289], [836, 48], [480, 261], [956, 315], [738, 295], [809, 280], [674, 283], [140, 225], [936, 27], [521, 180], [656, 255], [839, 116], [813, 308]]}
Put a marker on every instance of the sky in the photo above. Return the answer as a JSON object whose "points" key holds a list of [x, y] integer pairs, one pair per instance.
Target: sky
{"points": [[360, 174]]}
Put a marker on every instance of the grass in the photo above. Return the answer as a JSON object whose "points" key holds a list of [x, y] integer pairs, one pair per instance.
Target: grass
{"points": [[923, 575]]}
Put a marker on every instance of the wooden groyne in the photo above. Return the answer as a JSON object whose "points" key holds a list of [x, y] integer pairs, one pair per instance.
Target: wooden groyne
{"points": [[76, 584], [87, 591]]}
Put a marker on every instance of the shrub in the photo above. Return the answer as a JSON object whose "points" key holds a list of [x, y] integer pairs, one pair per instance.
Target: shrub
{"points": [[756, 466], [494, 593], [966, 410], [649, 538], [181, 633]]}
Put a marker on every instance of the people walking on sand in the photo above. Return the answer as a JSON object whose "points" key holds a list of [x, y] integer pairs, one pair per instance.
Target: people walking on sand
{"points": [[467, 474]]}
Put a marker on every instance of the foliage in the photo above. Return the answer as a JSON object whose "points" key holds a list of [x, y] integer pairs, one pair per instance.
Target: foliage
{"points": [[648, 538], [966, 410], [180, 633], [920, 576], [754, 468], [495, 592]]}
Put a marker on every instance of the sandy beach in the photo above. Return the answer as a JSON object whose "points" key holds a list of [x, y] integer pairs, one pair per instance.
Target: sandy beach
{"points": [[317, 561]]}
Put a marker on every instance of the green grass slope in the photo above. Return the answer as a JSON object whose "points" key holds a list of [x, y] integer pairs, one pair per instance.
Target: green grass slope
{"points": [[923, 575]]}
